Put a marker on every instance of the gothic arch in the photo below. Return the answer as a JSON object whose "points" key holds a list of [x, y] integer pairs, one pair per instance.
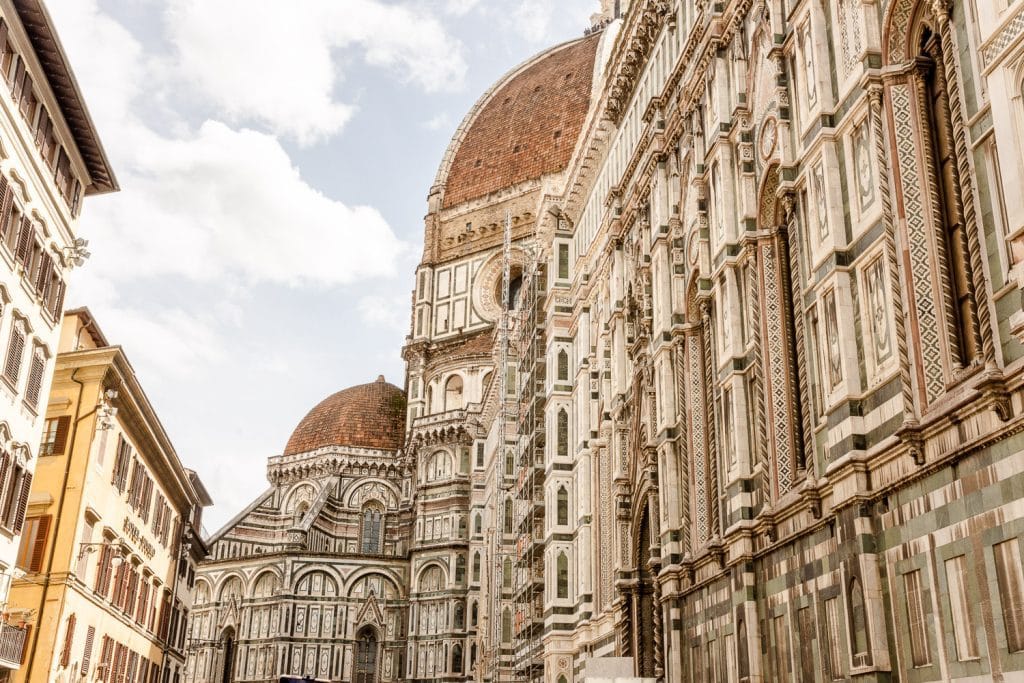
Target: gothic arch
{"points": [[226, 581], [423, 576], [331, 582], [389, 582], [387, 494], [269, 572], [303, 492], [645, 609], [769, 214]]}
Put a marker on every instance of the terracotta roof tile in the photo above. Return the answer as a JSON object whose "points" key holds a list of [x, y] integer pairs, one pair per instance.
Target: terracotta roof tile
{"points": [[529, 126], [365, 416]]}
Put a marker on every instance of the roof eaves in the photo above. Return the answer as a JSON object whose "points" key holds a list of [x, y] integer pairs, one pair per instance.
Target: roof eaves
{"points": [[39, 26]]}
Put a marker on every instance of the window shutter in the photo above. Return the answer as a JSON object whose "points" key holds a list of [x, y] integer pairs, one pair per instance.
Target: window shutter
{"points": [[103, 573], [35, 380], [90, 635], [15, 349], [41, 128], [69, 639], [6, 205], [24, 644], [39, 546], [26, 486], [58, 301], [43, 274], [118, 462], [105, 658], [25, 234], [60, 441]]}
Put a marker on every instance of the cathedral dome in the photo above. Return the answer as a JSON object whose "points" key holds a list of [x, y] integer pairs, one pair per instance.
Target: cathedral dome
{"points": [[525, 127], [365, 416]]}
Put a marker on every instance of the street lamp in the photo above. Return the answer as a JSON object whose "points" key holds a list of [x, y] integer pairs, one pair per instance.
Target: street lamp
{"points": [[119, 548]]}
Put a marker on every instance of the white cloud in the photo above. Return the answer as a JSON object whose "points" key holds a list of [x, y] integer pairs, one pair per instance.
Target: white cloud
{"points": [[277, 64], [390, 313], [438, 121], [460, 8], [228, 204]]}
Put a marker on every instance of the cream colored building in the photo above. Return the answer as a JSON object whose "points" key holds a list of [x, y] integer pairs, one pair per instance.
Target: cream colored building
{"points": [[50, 160], [111, 534]]}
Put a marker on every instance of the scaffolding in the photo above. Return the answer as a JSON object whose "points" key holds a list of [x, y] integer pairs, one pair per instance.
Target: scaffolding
{"points": [[519, 473]]}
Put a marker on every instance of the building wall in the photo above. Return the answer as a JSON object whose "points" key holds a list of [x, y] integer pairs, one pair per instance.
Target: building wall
{"points": [[793, 377], [42, 184], [109, 507]]}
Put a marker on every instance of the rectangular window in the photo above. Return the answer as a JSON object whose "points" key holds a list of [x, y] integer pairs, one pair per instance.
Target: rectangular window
{"points": [[480, 454], [33, 543], [833, 632], [961, 608], [563, 261], [55, 435], [919, 652], [1011, 592]]}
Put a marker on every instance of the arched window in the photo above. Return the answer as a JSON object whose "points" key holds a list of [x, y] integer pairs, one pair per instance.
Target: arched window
{"points": [[563, 575], [506, 625], [453, 393], [372, 529], [508, 516], [742, 654], [474, 614], [300, 511], [431, 579], [476, 568], [562, 427], [858, 621], [506, 573], [228, 663], [438, 466], [366, 656], [460, 569], [562, 505], [457, 659], [510, 463], [462, 526], [562, 679], [460, 616], [472, 655], [478, 525], [563, 366]]}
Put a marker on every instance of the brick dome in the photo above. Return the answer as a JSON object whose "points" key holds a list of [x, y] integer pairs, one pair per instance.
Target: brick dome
{"points": [[365, 416], [525, 127]]}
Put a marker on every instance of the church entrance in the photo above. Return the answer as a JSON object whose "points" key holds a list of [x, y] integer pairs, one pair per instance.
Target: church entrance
{"points": [[366, 656], [228, 639], [645, 602]]}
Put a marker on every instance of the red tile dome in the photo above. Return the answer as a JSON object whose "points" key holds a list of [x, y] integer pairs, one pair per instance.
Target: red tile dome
{"points": [[525, 127], [365, 416]]}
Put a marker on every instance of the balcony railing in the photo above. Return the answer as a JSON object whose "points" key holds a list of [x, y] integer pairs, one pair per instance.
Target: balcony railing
{"points": [[12, 643]]}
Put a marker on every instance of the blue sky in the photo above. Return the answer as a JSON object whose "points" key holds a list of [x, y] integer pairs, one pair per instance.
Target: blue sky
{"points": [[274, 160]]}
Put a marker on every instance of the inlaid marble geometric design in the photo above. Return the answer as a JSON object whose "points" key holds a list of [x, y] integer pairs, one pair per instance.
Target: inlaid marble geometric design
{"points": [[775, 358], [918, 241]]}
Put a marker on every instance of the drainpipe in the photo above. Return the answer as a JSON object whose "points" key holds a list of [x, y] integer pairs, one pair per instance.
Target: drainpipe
{"points": [[56, 523]]}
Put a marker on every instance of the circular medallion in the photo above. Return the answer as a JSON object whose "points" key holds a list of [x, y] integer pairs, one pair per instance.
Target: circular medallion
{"points": [[487, 284], [768, 137]]}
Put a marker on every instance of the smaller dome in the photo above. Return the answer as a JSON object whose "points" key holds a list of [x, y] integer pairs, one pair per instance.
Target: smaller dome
{"points": [[365, 416]]}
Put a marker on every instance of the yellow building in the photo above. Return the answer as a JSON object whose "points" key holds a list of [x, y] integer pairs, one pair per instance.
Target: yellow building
{"points": [[112, 527]]}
